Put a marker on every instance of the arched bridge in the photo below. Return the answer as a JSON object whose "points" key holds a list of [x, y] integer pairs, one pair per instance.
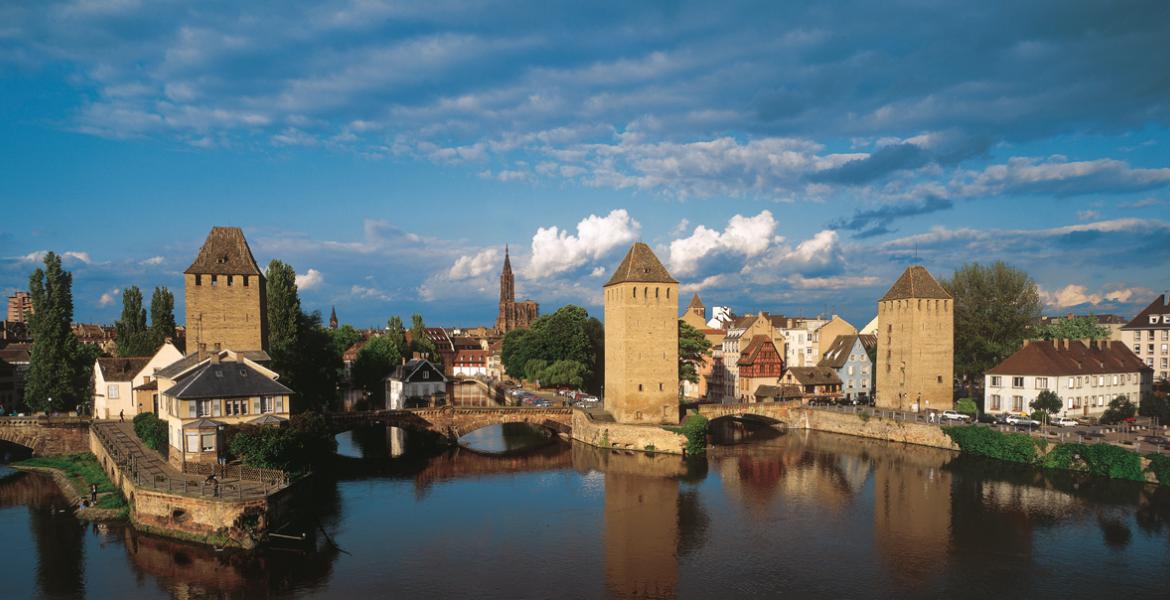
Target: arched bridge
{"points": [[454, 422], [767, 413], [47, 436]]}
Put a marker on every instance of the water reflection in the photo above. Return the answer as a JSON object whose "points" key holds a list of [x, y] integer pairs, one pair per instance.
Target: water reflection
{"points": [[807, 514]]}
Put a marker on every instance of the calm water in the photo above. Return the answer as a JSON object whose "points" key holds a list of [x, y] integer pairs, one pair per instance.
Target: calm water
{"points": [[799, 514]]}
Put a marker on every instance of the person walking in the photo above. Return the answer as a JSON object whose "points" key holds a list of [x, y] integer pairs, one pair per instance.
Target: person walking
{"points": [[93, 493], [122, 416]]}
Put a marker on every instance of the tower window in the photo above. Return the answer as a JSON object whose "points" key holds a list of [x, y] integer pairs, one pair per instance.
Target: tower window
{"points": [[639, 387], [667, 293], [198, 280], [655, 292], [245, 281], [635, 292], [230, 278], [660, 388], [214, 280]]}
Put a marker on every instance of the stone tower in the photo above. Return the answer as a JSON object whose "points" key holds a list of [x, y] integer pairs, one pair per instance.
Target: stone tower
{"points": [[641, 340], [916, 344], [513, 314], [226, 299]]}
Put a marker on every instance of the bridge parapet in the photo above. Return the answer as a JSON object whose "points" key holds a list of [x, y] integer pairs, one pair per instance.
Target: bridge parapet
{"points": [[777, 411], [456, 421], [47, 436]]}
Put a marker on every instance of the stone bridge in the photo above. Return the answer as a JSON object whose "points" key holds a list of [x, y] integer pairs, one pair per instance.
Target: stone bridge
{"points": [[47, 436], [453, 422], [768, 413]]}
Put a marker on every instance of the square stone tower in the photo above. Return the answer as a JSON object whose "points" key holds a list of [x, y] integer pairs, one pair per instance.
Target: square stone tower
{"points": [[226, 299], [641, 340], [916, 344]]}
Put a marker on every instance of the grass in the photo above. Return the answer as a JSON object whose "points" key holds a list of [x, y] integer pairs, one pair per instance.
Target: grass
{"points": [[81, 470]]}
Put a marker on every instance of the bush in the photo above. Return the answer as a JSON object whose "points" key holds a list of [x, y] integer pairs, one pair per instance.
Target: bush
{"points": [[967, 406], [982, 441], [1160, 467], [695, 429], [1120, 409], [306, 441], [151, 430]]}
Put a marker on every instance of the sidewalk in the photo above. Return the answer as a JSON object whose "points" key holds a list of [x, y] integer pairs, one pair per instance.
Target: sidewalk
{"points": [[149, 470]]}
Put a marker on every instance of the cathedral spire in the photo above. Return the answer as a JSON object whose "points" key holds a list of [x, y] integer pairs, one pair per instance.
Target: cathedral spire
{"points": [[332, 317]]}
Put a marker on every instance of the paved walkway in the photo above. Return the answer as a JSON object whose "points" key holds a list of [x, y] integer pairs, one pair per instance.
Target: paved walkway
{"points": [[151, 471]]}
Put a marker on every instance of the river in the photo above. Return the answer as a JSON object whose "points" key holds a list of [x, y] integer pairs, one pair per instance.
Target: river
{"points": [[805, 514]]}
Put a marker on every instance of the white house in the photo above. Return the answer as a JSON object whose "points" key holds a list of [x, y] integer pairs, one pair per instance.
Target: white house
{"points": [[414, 384], [120, 384], [1148, 334], [1085, 374]]}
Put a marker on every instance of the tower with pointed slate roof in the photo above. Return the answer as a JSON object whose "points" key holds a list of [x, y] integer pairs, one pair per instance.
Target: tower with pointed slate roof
{"points": [[513, 314], [916, 344], [641, 340], [225, 294]]}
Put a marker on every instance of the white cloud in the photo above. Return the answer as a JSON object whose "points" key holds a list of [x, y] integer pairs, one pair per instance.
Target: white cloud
{"points": [[747, 236], [598, 272], [108, 298], [369, 293], [152, 261], [555, 251], [39, 256], [1078, 295], [311, 279], [474, 266], [78, 256], [34, 257], [1087, 215]]}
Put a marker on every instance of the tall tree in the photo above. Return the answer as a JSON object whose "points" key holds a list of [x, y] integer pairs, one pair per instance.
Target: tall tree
{"points": [[396, 332], [419, 340], [343, 337], [284, 308], [373, 363], [995, 308], [692, 348], [569, 334], [1076, 328], [131, 335], [162, 316], [313, 367], [56, 378]]}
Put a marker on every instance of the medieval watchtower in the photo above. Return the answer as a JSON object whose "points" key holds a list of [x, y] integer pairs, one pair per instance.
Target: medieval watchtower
{"points": [[226, 299], [641, 340], [916, 344]]}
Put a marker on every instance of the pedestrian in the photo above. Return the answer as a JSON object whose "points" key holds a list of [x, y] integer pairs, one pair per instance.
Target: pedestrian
{"points": [[93, 493], [122, 416]]}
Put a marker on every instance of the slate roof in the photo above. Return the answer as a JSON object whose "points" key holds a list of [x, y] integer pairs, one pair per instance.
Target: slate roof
{"points": [[406, 372], [748, 355], [916, 282], [838, 354], [268, 420], [16, 353], [1160, 306], [227, 379], [1051, 357], [642, 266], [193, 359], [695, 302], [778, 391], [814, 375], [122, 368], [202, 424], [225, 252]]}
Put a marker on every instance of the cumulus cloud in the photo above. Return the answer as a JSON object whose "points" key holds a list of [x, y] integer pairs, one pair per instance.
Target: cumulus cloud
{"points": [[39, 256], [557, 251], [309, 280], [476, 265], [153, 261], [370, 293], [746, 236], [108, 298], [1073, 295]]}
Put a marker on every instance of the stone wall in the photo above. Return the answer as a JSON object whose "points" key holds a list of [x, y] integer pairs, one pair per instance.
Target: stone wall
{"points": [[916, 353], [641, 352], [887, 429], [625, 436], [232, 316], [47, 436], [166, 513]]}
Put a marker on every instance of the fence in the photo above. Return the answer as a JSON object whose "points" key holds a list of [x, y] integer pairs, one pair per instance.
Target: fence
{"points": [[272, 477]]}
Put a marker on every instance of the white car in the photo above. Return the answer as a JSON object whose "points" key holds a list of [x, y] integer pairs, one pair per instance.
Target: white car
{"points": [[1065, 422], [1026, 421], [950, 415]]}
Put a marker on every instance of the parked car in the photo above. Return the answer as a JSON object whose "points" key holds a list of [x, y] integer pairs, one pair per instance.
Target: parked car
{"points": [[988, 418], [1157, 440], [541, 403], [951, 415], [1065, 422], [1022, 421]]}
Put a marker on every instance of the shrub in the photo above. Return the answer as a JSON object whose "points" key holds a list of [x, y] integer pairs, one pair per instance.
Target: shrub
{"points": [[151, 430], [295, 448], [695, 429], [982, 441], [1120, 408], [1160, 467], [1102, 460], [967, 406]]}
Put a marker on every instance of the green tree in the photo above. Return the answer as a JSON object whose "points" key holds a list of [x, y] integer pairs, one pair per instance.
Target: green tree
{"points": [[564, 373], [131, 335], [421, 342], [693, 347], [162, 316], [967, 406], [58, 378], [995, 307], [1120, 409], [1157, 407], [396, 331], [343, 337], [1047, 403], [284, 309], [313, 368], [374, 362], [534, 368], [567, 334], [1076, 328], [515, 352]]}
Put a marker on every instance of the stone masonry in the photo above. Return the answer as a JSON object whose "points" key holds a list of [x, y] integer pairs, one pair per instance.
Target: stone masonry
{"points": [[225, 294], [916, 344]]}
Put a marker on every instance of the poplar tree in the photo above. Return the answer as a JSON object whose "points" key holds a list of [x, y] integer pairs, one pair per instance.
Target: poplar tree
{"points": [[419, 340], [162, 316], [284, 308], [396, 333], [132, 337], [54, 374]]}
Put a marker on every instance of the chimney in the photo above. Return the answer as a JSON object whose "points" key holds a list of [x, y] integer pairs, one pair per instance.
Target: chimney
{"points": [[215, 358], [202, 351]]}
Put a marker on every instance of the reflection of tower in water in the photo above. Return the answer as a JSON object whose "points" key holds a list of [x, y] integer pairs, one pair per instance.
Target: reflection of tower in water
{"points": [[912, 514], [397, 441]]}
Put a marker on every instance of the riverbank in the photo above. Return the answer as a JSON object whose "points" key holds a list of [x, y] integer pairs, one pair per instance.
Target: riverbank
{"points": [[74, 474]]}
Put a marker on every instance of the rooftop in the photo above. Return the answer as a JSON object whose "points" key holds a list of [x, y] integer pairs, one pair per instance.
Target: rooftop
{"points": [[814, 375], [225, 252], [838, 354], [1159, 309], [640, 265], [122, 368], [227, 379], [1070, 357], [916, 282]]}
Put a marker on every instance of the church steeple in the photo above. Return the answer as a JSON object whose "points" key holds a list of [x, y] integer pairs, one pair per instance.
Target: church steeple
{"points": [[332, 317], [507, 280]]}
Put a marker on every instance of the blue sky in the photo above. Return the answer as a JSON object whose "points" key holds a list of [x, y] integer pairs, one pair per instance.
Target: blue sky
{"points": [[791, 157]]}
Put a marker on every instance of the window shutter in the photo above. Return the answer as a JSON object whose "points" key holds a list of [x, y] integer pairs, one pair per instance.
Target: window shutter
{"points": [[215, 408], [255, 406], [190, 408], [280, 404]]}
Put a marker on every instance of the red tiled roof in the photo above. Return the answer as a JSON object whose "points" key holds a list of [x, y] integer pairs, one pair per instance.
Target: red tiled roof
{"points": [[1160, 306], [1070, 357]]}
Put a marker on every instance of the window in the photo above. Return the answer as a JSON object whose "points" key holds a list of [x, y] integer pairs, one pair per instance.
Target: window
{"points": [[230, 280], [190, 408], [1150, 335], [1018, 403], [1165, 335], [245, 281], [1017, 382], [996, 381], [1164, 362], [995, 402], [1150, 348], [214, 280], [192, 442], [1041, 383], [660, 388], [209, 442], [1163, 348], [1070, 383], [112, 391], [1137, 348], [203, 408], [198, 280], [1116, 380]]}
